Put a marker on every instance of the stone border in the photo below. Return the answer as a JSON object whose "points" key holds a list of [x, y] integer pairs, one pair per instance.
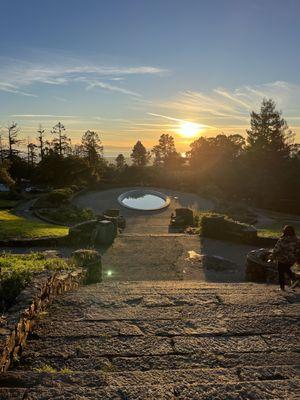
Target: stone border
{"points": [[34, 299], [147, 191]]}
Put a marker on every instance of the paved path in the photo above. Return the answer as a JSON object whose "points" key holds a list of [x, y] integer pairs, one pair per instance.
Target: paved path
{"points": [[162, 340], [138, 221]]}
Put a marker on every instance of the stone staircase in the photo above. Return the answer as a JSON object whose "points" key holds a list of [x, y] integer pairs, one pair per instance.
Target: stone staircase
{"points": [[162, 340]]}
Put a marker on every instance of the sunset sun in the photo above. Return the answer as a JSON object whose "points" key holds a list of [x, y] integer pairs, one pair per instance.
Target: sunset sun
{"points": [[189, 129]]}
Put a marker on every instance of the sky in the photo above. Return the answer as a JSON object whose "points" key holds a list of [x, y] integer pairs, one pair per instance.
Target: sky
{"points": [[134, 69]]}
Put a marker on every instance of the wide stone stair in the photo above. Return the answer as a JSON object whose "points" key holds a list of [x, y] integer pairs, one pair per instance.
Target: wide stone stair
{"points": [[162, 340]]}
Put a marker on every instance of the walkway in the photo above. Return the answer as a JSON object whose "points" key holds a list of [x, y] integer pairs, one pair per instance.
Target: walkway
{"points": [[162, 340]]}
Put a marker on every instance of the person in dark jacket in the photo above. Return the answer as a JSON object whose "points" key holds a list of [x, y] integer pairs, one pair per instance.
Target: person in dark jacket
{"points": [[286, 253]]}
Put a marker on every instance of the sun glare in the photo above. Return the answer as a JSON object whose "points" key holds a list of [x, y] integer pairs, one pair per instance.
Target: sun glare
{"points": [[189, 129]]}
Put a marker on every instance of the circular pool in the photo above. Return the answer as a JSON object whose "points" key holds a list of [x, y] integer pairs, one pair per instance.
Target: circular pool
{"points": [[144, 200]]}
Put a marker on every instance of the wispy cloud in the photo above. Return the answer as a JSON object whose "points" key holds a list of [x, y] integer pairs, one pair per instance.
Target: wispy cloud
{"points": [[41, 116], [235, 104], [17, 74], [175, 119], [10, 88], [107, 86]]}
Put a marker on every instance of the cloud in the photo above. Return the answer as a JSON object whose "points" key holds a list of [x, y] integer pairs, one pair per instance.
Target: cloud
{"points": [[42, 116], [175, 119], [235, 104], [17, 74], [112, 88], [10, 88]]}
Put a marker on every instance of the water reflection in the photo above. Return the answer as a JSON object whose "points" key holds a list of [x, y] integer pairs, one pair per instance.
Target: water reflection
{"points": [[143, 201]]}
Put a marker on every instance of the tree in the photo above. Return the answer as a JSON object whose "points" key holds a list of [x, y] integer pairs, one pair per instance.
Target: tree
{"points": [[31, 154], [2, 152], [269, 134], [213, 152], [13, 132], [268, 156], [140, 156], [165, 150], [5, 175], [92, 148], [61, 143], [41, 140], [120, 162]]}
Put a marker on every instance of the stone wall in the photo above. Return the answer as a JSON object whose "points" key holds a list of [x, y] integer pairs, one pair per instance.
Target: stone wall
{"points": [[15, 327]]}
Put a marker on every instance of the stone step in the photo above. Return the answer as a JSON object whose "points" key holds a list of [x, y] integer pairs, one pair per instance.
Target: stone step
{"points": [[215, 384], [134, 346], [236, 326], [199, 359], [162, 340], [54, 378]]}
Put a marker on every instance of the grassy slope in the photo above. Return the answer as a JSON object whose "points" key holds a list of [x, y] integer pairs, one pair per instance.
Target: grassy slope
{"points": [[13, 226], [275, 229], [17, 270]]}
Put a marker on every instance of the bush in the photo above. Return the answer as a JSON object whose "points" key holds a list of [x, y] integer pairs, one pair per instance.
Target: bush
{"points": [[57, 197], [16, 271], [237, 212], [219, 226], [69, 214], [74, 188]]}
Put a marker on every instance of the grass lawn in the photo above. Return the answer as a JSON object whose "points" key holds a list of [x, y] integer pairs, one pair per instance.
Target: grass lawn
{"points": [[15, 227]]}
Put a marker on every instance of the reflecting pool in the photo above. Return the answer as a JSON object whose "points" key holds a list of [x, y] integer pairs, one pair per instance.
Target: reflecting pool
{"points": [[146, 200]]}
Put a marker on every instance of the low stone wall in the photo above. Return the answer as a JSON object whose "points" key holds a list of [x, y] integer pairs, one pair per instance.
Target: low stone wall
{"points": [[29, 304]]}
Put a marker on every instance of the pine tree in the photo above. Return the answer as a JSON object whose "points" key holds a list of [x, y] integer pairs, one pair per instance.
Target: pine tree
{"points": [[61, 143], [164, 150], [92, 148], [120, 161], [140, 156], [269, 135], [41, 141], [13, 132]]}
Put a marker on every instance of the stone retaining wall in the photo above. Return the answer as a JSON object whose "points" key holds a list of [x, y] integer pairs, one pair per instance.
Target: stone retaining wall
{"points": [[29, 304]]}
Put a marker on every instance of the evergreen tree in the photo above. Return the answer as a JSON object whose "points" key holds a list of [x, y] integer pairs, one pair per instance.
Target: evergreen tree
{"points": [[31, 154], [140, 156], [120, 162], [269, 135], [13, 132], [41, 141], [61, 143], [165, 150], [92, 148]]}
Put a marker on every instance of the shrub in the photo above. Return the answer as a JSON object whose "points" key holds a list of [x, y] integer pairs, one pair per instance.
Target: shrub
{"points": [[220, 226], [237, 212], [16, 271], [69, 214], [57, 197], [74, 188]]}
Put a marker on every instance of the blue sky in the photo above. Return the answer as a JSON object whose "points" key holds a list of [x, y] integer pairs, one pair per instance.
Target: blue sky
{"points": [[133, 69]]}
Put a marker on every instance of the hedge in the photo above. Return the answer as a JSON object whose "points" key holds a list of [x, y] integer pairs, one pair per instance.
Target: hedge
{"points": [[220, 226]]}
